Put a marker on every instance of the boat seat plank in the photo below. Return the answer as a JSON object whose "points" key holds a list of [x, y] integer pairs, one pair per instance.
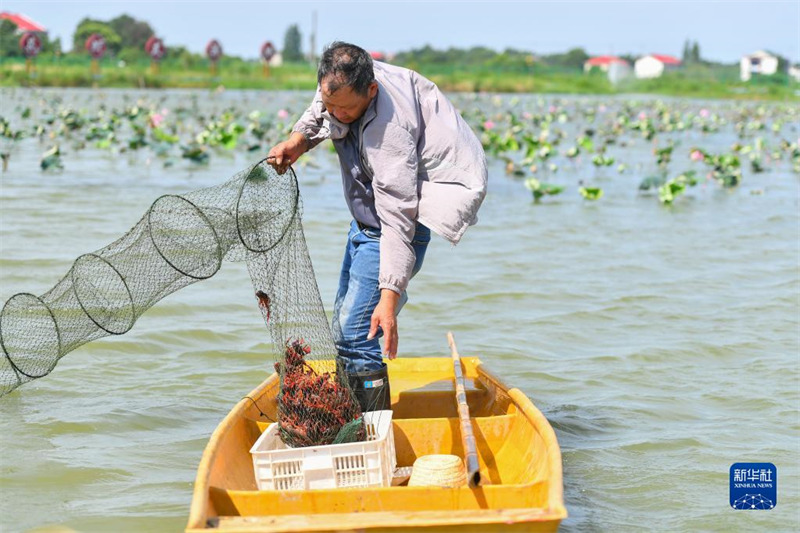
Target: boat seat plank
{"points": [[421, 395], [524, 519], [378, 499]]}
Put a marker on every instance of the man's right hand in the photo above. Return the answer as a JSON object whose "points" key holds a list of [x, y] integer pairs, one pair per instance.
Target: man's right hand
{"points": [[286, 153]]}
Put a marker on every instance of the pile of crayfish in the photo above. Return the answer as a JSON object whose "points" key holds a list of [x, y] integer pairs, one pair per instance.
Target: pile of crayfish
{"points": [[314, 407]]}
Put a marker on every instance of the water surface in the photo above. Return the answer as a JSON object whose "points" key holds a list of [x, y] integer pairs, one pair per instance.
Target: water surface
{"points": [[661, 343]]}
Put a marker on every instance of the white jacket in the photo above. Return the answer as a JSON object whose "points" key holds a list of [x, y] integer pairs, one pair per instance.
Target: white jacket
{"points": [[425, 162]]}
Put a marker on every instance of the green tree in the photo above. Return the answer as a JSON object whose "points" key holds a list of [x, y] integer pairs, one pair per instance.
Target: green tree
{"points": [[292, 43], [479, 54], [511, 60], [184, 57], [696, 53], [686, 57], [783, 63], [9, 40], [133, 33], [55, 46], [574, 58], [86, 27]]}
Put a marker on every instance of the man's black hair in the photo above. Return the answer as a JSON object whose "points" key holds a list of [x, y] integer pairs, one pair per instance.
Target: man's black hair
{"points": [[346, 65]]}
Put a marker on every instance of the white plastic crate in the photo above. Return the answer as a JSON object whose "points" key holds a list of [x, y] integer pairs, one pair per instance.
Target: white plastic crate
{"points": [[355, 464]]}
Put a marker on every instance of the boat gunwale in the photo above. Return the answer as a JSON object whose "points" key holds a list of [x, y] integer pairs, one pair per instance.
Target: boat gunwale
{"points": [[399, 520], [198, 510], [555, 497]]}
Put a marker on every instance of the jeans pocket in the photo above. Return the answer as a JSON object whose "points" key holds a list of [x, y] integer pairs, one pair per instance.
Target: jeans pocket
{"points": [[372, 233]]}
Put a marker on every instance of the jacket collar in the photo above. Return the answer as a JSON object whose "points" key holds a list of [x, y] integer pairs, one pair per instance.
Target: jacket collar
{"points": [[372, 108]]}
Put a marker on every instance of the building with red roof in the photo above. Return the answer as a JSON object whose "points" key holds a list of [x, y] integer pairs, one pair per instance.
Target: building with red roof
{"points": [[616, 67], [667, 60], [654, 65], [603, 63], [23, 23]]}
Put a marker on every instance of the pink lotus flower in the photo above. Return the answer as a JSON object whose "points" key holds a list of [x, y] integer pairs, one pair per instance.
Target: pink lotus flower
{"points": [[156, 119], [601, 109], [283, 114], [696, 155], [488, 125], [527, 116], [551, 109], [705, 113], [642, 115]]}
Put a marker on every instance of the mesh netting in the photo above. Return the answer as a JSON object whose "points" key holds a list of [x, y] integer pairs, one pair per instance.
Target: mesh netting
{"points": [[253, 217]]}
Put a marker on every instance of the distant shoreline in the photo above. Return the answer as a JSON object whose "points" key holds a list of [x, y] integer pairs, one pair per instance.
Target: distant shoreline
{"points": [[303, 77]]}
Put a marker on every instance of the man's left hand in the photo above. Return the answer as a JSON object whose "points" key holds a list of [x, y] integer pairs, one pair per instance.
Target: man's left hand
{"points": [[385, 318]]}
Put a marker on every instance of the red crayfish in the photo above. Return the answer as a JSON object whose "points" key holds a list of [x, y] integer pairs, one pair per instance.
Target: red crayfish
{"points": [[313, 406], [264, 302]]}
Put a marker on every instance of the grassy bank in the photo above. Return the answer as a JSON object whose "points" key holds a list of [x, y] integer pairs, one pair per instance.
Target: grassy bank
{"points": [[231, 73], [697, 82]]}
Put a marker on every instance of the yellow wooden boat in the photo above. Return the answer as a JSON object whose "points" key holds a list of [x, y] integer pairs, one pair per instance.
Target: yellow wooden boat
{"points": [[520, 464]]}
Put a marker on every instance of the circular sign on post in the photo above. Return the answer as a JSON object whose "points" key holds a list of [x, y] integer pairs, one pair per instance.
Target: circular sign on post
{"points": [[267, 51], [96, 45], [214, 50], [155, 48], [31, 44]]}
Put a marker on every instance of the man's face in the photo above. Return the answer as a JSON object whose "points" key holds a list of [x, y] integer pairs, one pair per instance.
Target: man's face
{"points": [[345, 104]]}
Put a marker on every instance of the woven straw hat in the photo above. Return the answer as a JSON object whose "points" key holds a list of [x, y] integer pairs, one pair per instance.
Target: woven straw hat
{"points": [[438, 471]]}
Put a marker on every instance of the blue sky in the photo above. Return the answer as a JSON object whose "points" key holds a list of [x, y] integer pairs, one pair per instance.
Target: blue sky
{"points": [[724, 29]]}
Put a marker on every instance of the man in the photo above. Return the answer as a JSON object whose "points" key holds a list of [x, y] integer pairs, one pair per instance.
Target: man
{"points": [[409, 162]]}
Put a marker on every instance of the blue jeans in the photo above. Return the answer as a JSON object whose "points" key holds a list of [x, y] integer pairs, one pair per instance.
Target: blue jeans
{"points": [[358, 295]]}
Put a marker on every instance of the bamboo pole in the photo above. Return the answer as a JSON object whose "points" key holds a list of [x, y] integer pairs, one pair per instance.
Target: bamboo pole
{"points": [[467, 436]]}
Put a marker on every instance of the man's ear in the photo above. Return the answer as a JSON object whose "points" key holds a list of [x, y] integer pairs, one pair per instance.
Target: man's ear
{"points": [[373, 89]]}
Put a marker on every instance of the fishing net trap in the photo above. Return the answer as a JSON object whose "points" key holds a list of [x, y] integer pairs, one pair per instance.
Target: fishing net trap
{"points": [[182, 239]]}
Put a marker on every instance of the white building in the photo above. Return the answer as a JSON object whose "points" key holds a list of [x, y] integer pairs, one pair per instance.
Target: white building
{"points": [[759, 63], [603, 63], [654, 65], [794, 72], [615, 67]]}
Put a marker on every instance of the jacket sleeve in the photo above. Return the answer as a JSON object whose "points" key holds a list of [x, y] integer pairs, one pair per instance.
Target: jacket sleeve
{"points": [[311, 124], [394, 183]]}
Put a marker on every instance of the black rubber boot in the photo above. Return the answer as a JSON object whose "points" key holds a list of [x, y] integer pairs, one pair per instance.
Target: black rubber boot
{"points": [[372, 389]]}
